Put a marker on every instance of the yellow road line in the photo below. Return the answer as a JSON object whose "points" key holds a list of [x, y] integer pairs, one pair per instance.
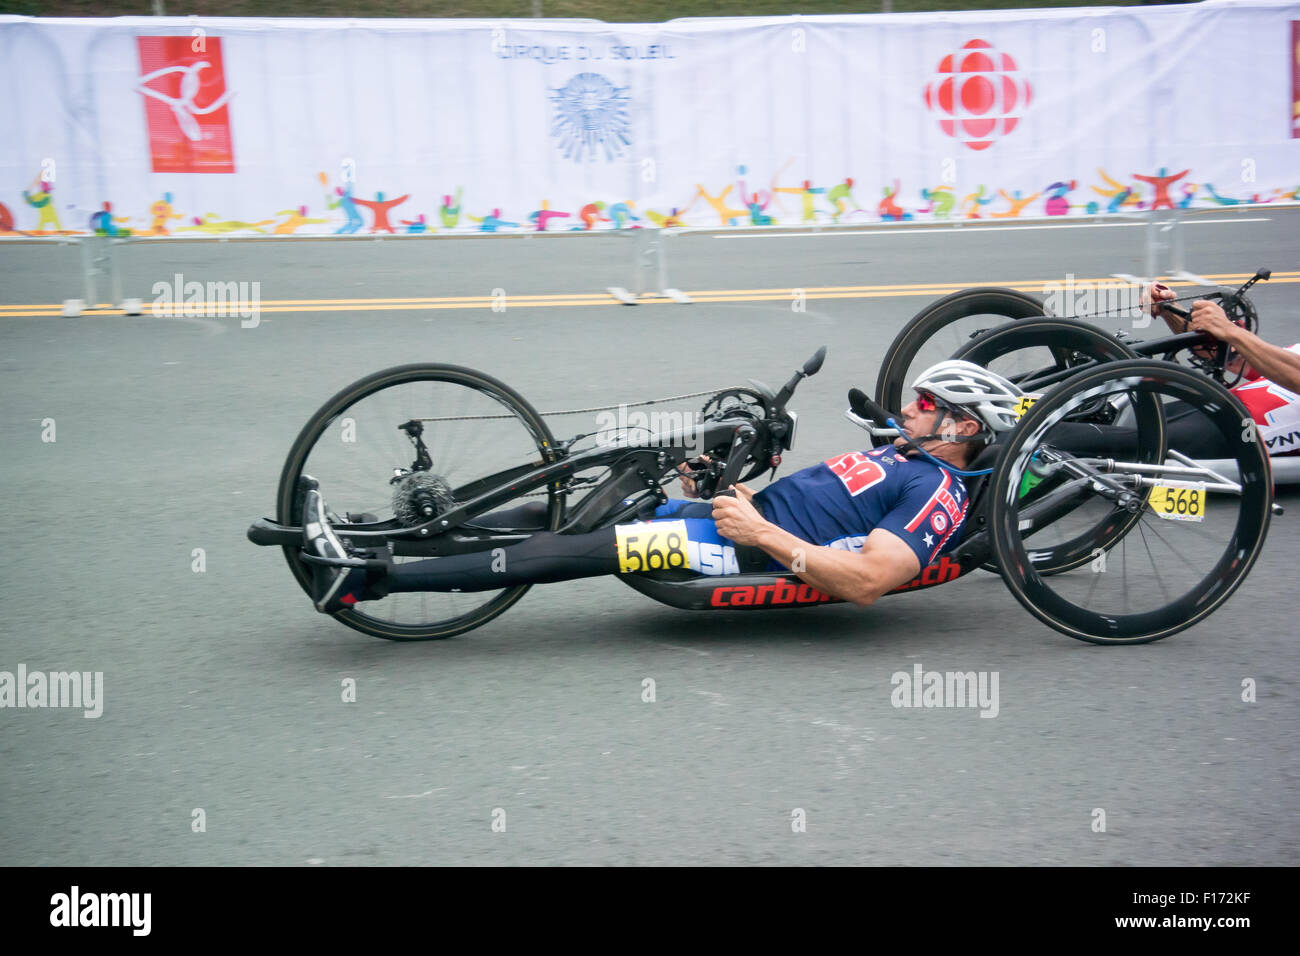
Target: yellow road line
{"points": [[551, 300], [918, 287]]}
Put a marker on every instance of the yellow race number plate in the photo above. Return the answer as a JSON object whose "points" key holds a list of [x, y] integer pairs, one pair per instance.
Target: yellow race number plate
{"points": [[1179, 504], [1025, 404], [652, 546]]}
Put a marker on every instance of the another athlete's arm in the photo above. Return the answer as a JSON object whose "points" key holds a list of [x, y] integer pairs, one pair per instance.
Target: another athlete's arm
{"points": [[885, 562], [1208, 317], [1275, 363]]}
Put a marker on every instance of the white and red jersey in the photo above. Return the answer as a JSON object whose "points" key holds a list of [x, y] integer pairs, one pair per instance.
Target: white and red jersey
{"points": [[1276, 411]]}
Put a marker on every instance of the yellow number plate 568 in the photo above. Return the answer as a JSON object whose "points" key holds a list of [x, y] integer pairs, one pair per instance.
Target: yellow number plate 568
{"points": [[652, 546], [1025, 403], [1179, 504]]}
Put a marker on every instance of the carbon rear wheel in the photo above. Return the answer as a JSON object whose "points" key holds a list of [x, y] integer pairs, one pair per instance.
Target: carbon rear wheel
{"points": [[1037, 354], [940, 329]]}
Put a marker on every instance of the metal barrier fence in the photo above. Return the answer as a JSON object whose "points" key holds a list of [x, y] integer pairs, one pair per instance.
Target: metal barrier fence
{"points": [[1163, 252]]}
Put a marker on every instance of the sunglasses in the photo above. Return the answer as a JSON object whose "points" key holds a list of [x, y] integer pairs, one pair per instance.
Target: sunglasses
{"points": [[926, 402]]}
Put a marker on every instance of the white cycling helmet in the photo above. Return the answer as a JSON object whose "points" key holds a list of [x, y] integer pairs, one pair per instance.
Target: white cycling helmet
{"points": [[984, 395]]}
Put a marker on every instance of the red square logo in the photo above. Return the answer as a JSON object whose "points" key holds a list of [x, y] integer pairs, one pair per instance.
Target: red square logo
{"points": [[183, 85]]}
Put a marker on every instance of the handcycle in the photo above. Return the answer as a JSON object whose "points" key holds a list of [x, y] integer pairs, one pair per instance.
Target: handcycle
{"points": [[1011, 332], [479, 447]]}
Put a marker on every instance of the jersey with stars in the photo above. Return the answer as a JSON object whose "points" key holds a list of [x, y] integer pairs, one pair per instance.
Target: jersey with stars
{"points": [[842, 500]]}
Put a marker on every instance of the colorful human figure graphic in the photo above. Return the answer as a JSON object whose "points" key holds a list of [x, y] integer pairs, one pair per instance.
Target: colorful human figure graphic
{"points": [[6, 219], [807, 194], [161, 214], [1017, 204], [1120, 199], [542, 217], [297, 218], [669, 221], [621, 213], [888, 207], [727, 214], [104, 223], [349, 207], [416, 226], [971, 202], [1118, 194], [941, 201], [590, 214], [449, 214], [757, 217], [1227, 200], [840, 197], [1057, 204], [42, 200], [756, 202], [492, 222], [379, 207], [1161, 182], [1189, 194], [212, 223]]}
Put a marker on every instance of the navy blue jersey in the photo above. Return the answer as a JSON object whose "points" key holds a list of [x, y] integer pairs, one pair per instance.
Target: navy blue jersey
{"points": [[842, 500]]}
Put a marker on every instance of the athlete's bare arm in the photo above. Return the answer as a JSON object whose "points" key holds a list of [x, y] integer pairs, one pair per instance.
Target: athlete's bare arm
{"points": [[884, 563], [1158, 292], [1273, 362]]}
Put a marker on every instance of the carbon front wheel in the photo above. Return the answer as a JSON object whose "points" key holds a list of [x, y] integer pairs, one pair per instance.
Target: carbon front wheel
{"points": [[471, 424], [1196, 536]]}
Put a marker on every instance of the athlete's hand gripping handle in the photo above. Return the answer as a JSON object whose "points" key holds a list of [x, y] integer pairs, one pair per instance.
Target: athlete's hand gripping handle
{"points": [[741, 445]]}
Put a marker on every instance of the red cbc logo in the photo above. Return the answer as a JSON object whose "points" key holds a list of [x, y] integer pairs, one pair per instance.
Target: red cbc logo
{"points": [[980, 94], [184, 93]]}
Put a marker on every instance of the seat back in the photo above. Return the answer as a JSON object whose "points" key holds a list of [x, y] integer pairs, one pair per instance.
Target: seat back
{"points": [[977, 487]]}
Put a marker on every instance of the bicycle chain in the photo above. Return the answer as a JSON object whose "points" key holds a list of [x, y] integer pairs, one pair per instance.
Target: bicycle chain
{"points": [[1127, 313], [578, 411]]}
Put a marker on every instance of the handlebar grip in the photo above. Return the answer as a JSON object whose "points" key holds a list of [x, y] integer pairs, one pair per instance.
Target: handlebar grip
{"points": [[864, 407], [1177, 310]]}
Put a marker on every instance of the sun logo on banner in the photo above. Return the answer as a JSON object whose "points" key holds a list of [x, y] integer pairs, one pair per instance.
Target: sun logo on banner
{"points": [[980, 92], [591, 118]]}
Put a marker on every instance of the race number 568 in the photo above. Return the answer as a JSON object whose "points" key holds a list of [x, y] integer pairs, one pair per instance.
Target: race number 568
{"points": [[653, 546], [1179, 504]]}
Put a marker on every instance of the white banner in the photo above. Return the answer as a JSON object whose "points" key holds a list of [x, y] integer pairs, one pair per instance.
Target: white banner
{"points": [[191, 127]]}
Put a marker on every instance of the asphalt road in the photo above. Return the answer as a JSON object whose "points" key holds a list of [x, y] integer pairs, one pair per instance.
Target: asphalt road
{"points": [[222, 690]]}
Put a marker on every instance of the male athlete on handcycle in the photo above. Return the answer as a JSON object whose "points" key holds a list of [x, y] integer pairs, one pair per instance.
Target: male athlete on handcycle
{"points": [[1270, 389], [855, 526]]}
